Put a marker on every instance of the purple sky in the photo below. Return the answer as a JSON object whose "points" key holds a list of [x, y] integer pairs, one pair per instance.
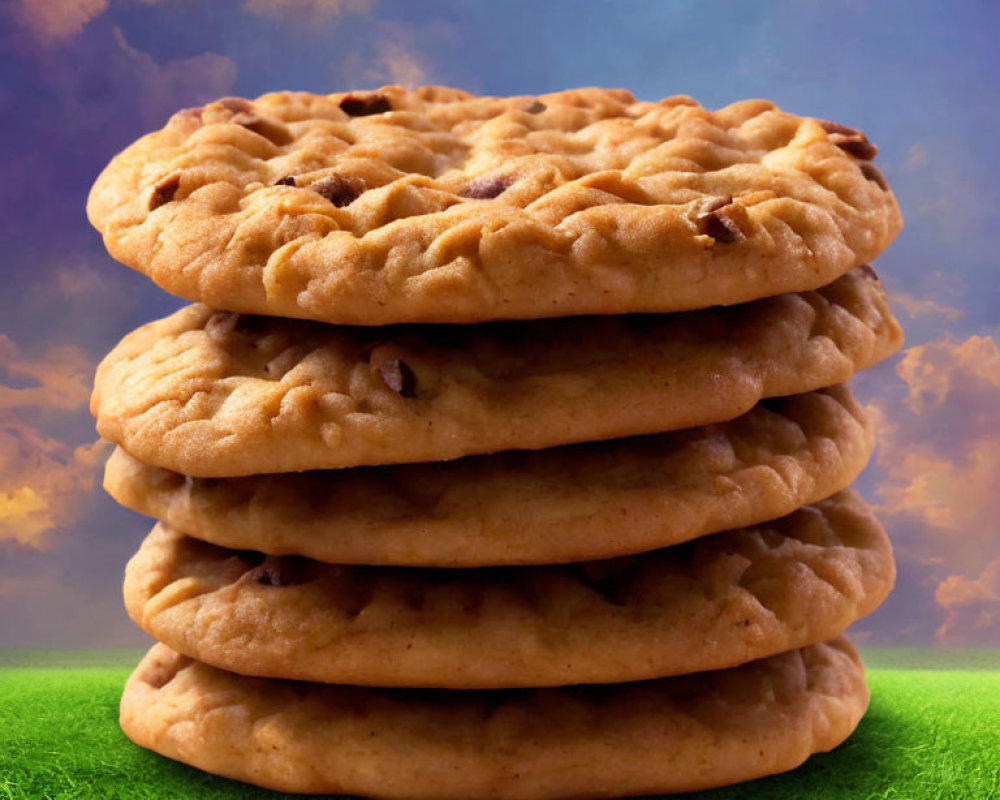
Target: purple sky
{"points": [[80, 79]]}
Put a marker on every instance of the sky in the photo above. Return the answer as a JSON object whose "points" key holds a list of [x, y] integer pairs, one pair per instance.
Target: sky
{"points": [[81, 79]]}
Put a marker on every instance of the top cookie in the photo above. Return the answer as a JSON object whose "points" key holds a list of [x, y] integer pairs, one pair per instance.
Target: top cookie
{"points": [[440, 206]]}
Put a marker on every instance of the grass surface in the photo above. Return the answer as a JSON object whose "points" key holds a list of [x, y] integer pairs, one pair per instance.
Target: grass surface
{"points": [[928, 734]]}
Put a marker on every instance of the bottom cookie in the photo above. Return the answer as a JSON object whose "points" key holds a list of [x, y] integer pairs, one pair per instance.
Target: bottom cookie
{"points": [[670, 735]]}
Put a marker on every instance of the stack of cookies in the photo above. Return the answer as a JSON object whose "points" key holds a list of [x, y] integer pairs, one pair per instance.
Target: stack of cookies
{"points": [[505, 453]]}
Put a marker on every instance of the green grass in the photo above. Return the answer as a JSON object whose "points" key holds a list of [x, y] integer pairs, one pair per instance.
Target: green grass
{"points": [[928, 734]]}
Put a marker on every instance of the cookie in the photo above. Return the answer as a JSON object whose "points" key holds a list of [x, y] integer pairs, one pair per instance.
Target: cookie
{"points": [[518, 507], [439, 206], [215, 394], [670, 735], [711, 603]]}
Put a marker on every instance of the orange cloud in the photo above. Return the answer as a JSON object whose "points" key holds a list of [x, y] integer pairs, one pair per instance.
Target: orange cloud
{"points": [[973, 607], [43, 482], [60, 380], [58, 20], [939, 453], [965, 374], [308, 12]]}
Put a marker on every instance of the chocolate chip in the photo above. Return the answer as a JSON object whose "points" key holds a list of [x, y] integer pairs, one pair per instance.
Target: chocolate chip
{"points": [[190, 113], [714, 223], [862, 149], [284, 571], [274, 132], [836, 127], [487, 188], [355, 106], [236, 104], [221, 324], [850, 140], [536, 108], [873, 173], [288, 180], [399, 377], [161, 673], [711, 204], [722, 229], [339, 190], [164, 191], [866, 271]]}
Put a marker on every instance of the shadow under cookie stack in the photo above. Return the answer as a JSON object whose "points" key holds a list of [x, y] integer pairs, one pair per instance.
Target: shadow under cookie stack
{"points": [[506, 451]]}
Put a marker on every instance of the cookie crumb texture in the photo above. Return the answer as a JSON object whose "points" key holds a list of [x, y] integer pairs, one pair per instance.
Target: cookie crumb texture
{"points": [[440, 206], [712, 603], [527, 506], [217, 394], [669, 735]]}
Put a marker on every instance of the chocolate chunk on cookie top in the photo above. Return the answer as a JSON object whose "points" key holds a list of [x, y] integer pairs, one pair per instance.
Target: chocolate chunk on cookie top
{"points": [[210, 394], [436, 205]]}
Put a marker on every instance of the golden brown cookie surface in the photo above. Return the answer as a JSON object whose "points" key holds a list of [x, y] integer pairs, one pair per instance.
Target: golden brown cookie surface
{"points": [[711, 603], [519, 507], [439, 206], [677, 734], [212, 394]]}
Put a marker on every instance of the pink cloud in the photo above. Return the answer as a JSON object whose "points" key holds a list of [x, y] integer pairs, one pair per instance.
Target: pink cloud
{"points": [[60, 379], [55, 21], [166, 87], [973, 607], [939, 454]]}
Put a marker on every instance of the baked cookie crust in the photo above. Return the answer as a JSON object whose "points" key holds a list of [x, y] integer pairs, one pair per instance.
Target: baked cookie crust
{"points": [[672, 735], [711, 603], [435, 205], [519, 507], [215, 394]]}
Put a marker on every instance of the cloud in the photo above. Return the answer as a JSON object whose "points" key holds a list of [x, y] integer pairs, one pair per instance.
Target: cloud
{"points": [[308, 12], [973, 607], [939, 460], [54, 21], [963, 375], [916, 156], [43, 482], [401, 64], [924, 306], [398, 54], [79, 103], [20, 586], [166, 87], [60, 380]]}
